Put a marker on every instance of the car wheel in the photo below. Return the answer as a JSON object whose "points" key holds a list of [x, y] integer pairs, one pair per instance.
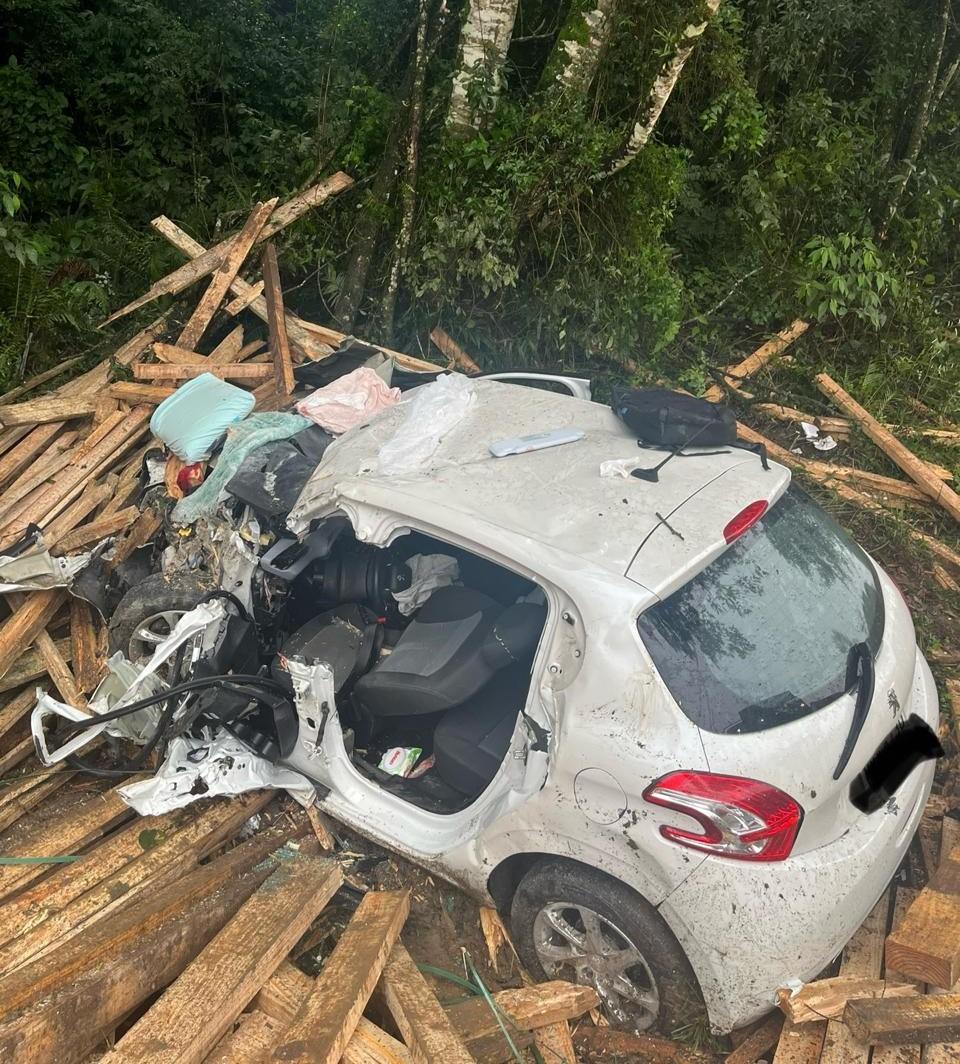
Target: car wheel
{"points": [[575, 923], [147, 614]]}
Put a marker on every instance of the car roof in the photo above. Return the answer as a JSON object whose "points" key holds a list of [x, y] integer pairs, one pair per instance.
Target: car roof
{"points": [[551, 499]]}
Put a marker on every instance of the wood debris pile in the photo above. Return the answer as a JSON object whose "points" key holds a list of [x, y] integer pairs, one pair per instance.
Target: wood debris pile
{"points": [[176, 906]]}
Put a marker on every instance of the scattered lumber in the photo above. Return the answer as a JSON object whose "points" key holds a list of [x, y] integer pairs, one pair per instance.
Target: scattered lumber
{"points": [[825, 999], [916, 469], [88, 665], [453, 351], [89, 534], [279, 344], [211, 260], [758, 1041], [32, 665], [735, 375], [329, 1016], [27, 622], [229, 347], [225, 274], [48, 409], [234, 307], [555, 1043], [612, 1045], [154, 371], [203, 1003], [800, 1043], [178, 355], [920, 947], [905, 1021]]}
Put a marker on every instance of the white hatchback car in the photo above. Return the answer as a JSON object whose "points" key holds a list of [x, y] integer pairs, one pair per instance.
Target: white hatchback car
{"points": [[644, 700]]}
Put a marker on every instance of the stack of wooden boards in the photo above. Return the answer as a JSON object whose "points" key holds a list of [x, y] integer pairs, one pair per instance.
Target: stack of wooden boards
{"points": [[887, 1004], [166, 906]]}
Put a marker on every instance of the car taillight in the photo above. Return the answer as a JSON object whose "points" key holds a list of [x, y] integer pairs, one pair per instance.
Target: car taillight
{"points": [[741, 818], [747, 517]]}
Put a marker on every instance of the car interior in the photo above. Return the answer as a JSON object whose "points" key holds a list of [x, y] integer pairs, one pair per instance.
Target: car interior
{"points": [[449, 673]]}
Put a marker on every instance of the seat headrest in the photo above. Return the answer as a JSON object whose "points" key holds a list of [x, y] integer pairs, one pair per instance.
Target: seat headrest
{"points": [[514, 635]]}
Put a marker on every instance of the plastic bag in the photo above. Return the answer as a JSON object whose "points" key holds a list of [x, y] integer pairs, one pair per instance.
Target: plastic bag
{"points": [[193, 419], [427, 573], [348, 402], [432, 411]]}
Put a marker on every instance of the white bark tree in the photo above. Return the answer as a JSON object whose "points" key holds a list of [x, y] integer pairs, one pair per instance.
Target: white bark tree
{"points": [[484, 41], [660, 93], [580, 44]]}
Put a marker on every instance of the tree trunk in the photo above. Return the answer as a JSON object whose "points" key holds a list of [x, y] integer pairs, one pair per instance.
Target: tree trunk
{"points": [[408, 187], [580, 43], [908, 160], [484, 41], [660, 93]]}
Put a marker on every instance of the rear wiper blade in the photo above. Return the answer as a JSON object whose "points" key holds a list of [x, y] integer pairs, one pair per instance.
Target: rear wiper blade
{"points": [[861, 676]]}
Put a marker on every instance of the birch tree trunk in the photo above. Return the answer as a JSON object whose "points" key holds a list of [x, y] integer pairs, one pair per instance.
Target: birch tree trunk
{"points": [[408, 186], [484, 41], [908, 160], [660, 93], [580, 44]]}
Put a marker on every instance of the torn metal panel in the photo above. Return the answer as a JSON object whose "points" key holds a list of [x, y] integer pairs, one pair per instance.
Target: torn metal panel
{"points": [[38, 571]]}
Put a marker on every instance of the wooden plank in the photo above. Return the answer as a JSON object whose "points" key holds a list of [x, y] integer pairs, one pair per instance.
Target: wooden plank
{"points": [[48, 409], [16, 708], [916, 469], [279, 344], [160, 866], [234, 307], [825, 999], [55, 892], [327, 1019], [862, 956], [926, 946], [153, 371], [555, 1044], [38, 379], [225, 274], [88, 666], [250, 1042], [735, 375], [756, 1044], [453, 351], [132, 392], [912, 1054], [32, 666], [19, 798], [34, 443], [146, 526], [427, 1030], [27, 622], [178, 356], [193, 1014], [70, 1021], [229, 347], [42, 975], [107, 525], [76, 830], [800, 1044], [204, 264], [56, 456], [81, 508], [16, 755], [903, 1021]]}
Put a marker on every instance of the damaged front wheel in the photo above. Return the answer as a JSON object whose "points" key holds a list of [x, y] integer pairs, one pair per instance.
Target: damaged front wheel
{"points": [[148, 613]]}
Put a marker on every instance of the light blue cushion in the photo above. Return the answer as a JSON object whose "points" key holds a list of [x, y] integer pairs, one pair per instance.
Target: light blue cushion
{"points": [[196, 416]]}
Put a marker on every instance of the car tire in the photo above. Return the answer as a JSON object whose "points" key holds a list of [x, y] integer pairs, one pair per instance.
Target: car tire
{"points": [[157, 595], [558, 892]]}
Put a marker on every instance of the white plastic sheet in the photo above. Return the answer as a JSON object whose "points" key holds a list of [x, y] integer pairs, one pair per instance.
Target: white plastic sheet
{"points": [[428, 572], [431, 412], [199, 768]]}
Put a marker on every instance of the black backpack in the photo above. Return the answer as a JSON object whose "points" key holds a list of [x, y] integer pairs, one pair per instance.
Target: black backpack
{"points": [[662, 418], [672, 421]]}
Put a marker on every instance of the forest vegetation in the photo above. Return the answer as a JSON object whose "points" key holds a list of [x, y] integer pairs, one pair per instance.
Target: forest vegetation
{"points": [[642, 189]]}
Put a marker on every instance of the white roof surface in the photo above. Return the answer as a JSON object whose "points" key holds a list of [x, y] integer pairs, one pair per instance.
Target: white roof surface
{"points": [[553, 497]]}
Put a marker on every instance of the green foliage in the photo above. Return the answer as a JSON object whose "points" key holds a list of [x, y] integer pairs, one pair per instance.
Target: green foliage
{"points": [[846, 277]]}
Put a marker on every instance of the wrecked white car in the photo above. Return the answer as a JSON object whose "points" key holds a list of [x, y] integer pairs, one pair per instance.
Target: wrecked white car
{"points": [[630, 711]]}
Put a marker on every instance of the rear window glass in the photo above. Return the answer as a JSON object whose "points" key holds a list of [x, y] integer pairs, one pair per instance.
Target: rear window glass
{"points": [[761, 636]]}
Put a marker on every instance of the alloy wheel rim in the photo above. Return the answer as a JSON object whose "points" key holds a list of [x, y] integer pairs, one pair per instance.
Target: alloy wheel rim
{"points": [[149, 633], [575, 942]]}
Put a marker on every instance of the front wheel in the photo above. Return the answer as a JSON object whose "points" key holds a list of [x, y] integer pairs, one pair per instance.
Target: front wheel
{"points": [[576, 923], [148, 612]]}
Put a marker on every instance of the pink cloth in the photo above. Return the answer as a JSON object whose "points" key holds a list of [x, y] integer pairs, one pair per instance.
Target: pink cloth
{"points": [[348, 401]]}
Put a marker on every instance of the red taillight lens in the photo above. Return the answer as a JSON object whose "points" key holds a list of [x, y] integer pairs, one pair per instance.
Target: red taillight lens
{"points": [[748, 516], [741, 818]]}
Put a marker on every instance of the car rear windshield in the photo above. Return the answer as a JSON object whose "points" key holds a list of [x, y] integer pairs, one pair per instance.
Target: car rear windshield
{"points": [[762, 635]]}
